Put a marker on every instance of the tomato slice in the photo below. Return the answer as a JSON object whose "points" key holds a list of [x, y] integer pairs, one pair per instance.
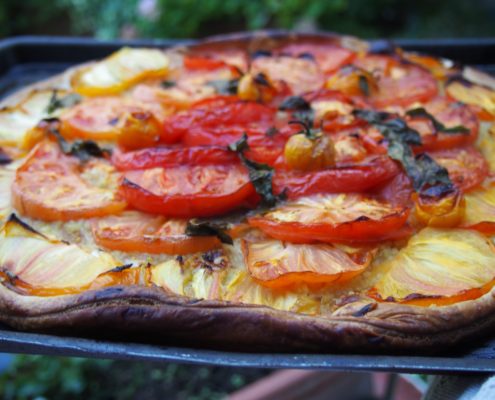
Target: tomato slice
{"points": [[188, 191], [440, 267], [332, 219], [137, 232], [300, 74], [467, 167], [342, 179], [102, 118], [172, 157], [398, 83], [449, 114], [49, 186], [328, 56], [219, 121], [199, 63], [280, 265]]}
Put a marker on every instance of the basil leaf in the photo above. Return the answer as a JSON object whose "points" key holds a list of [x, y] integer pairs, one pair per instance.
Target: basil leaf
{"points": [[364, 86], [204, 227], [167, 84], [294, 103], [439, 127], [310, 133], [82, 149], [271, 131], [260, 175], [227, 86], [426, 175], [62, 102]]}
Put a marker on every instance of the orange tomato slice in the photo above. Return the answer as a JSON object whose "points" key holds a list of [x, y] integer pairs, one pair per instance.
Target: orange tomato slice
{"points": [[137, 232], [49, 186], [277, 264]]}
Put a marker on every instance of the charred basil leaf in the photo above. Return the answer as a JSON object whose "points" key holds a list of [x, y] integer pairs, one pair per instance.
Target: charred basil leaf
{"points": [[261, 79], [4, 158], [271, 131], [82, 149], [167, 84], [424, 172], [294, 103], [62, 102], [261, 53], [308, 131], [260, 175], [205, 227], [439, 127], [364, 86], [227, 86]]}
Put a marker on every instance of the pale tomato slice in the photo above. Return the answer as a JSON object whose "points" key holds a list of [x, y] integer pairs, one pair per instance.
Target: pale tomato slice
{"points": [[480, 209], [146, 233], [301, 75], [188, 191], [278, 264], [119, 71], [398, 83], [49, 186], [439, 266], [482, 98], [333, 219], [41, 266], [329, 56]]}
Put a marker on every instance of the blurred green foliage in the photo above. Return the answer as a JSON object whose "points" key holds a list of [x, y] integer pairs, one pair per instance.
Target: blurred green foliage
{"points": [[44, 377], [193, 18]]}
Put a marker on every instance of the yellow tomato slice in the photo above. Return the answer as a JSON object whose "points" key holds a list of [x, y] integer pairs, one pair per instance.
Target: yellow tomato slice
{"points": [[439, 266], [120, 71], [277, 264]]}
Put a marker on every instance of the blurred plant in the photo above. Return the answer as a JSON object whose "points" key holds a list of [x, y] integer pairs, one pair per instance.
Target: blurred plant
{"points": [[44, 377], [108, 19]]}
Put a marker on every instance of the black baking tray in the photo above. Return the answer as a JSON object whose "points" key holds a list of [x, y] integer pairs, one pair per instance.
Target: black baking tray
{"points": [[24, 60]]}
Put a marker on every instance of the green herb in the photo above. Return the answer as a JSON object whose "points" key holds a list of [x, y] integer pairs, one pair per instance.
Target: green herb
{"points": [[426, 175], [294, 103], [226, 86], [260, 175], [364, 86], [62, 102], [205, 227], [271, 131], [261, 79], [167, 84], [439, 127], [82, 149]]}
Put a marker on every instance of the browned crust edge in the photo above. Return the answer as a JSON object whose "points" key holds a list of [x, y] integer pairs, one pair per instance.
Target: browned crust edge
{"points": [[154, 313]]}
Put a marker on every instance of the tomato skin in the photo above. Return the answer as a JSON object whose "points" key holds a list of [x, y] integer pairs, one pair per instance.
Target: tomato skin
{"points": [[186, 192], [172, 157], [136, 232], [48, 187], [345, 179], [198, 63], [466, 166], [357, 231], [450, 114]]}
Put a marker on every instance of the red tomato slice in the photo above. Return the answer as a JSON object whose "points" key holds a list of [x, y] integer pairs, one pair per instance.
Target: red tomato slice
{"points": [[450, 114], [328, 56], [467, 166], [339, 218], [188, 191], [197, 63], [49, 186], [343, 179], [212, 123], [172, 157], [398, 83], [137, 232]]}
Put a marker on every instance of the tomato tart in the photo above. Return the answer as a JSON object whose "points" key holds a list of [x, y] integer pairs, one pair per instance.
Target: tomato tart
{"points": [[256, 191]]}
